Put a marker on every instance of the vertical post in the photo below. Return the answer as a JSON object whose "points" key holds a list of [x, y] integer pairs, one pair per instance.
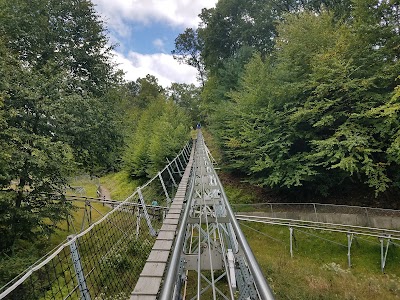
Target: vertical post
{"points": [[384, 256], [315, 211], [90, 213], [382, 263], [291, 241], [180, 162], [138, 222], [349, 242], [172, 177], [146, 215], [76, 260], [184, 156], [164, 188], [368, 221], [186, 152], [179, 170]]}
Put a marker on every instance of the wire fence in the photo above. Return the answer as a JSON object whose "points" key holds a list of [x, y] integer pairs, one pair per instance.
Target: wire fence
{"points": [[327, 213], [104, 260]]}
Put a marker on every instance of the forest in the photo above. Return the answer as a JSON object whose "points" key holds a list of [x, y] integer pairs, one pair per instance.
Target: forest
{"points": [[66, 110], [302, 97]]}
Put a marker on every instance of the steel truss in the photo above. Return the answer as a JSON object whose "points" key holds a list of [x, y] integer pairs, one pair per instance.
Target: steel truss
{"points": [[215, 261]]}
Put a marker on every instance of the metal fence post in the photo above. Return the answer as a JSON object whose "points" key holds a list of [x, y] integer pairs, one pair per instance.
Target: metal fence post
{"points": [[164, 188], [146, 214], [349, 242], [76, 260], [177, 167], [172, 177], [291, 241], [315, 211]]}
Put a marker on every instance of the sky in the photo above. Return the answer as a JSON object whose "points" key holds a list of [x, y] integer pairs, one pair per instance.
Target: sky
{"points": [[145, 31]]}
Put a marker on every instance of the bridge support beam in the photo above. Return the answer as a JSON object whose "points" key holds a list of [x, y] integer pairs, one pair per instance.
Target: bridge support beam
{"points": [[76, 260], [384, 251], [350, 237]]}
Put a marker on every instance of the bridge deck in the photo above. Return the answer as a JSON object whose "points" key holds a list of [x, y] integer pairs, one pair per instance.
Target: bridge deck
{"points": [[151, 277]]}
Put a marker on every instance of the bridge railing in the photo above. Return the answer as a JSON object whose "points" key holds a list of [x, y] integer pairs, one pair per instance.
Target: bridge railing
{"points": [[327, 213], [104, 260]]}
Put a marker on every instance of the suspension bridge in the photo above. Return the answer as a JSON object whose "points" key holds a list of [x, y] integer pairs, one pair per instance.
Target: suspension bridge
{"points": [[175, 237]]}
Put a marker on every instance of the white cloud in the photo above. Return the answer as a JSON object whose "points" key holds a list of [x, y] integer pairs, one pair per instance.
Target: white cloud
{"points": [[159, 44], [163, 66], [183, 13]]}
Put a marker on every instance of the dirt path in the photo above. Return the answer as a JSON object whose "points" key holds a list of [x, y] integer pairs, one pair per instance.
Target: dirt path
{"points": [[104, 193]]}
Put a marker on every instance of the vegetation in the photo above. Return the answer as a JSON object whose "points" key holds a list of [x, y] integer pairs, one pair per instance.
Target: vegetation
{"points": [[303, 96], [65, 110]]}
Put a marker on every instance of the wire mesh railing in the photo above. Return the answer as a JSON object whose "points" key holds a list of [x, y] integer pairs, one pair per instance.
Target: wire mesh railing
{"points": [[105, 259], [327, 213]]}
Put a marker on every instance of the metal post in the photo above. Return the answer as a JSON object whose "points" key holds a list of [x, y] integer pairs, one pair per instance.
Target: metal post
{"points": [[164, 188], [315, 211], [146, 214], [172, 177], [180, 162], [138, 222], [177, 167], [76, 260], [384, 255], [291, 241], [90, 214], [368, 220], [349, 242]]}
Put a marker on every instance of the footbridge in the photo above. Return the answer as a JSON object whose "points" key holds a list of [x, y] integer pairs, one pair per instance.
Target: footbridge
{"points": [[175, 237]]}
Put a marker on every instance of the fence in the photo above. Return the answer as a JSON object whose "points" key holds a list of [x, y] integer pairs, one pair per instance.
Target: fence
{"points": [[327, 213], [104, 260]]}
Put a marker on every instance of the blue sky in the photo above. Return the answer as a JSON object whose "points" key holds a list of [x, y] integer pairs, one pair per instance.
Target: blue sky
{"points": [[145, 31]]}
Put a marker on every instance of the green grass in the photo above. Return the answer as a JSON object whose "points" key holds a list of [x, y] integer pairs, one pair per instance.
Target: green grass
{"points": [[119, 184], [319, 268]]}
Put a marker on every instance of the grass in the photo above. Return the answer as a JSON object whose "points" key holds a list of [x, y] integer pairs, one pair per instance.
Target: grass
{"points": [[119, 184], [319, 268]]}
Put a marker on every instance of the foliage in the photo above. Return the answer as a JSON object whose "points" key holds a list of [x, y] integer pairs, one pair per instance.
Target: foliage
{"points": [[55, 112], [187, 50], [186, 96], [323, 109], [162, 129]]}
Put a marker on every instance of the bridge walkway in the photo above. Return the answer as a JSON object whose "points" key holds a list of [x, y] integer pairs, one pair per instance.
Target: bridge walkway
{"points": [[150, 279]]}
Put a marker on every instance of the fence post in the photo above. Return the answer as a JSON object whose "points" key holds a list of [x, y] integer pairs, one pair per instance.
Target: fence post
{"points": [[164, 188], [172, 177], [177, 167], [291, 241], [76, 260], [146, 214], [349, 242], [315, 211]]}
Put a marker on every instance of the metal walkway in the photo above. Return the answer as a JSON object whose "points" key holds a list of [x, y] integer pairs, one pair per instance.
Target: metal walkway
{"points": [[210, 257], [151, 247]]}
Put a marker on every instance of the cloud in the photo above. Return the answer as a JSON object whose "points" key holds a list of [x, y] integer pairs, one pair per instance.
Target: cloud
{"points": [[159, 44], [182, 13], [163, 66]]}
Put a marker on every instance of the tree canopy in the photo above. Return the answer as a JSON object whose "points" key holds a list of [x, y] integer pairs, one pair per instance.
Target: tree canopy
{"points": [[314, 103]]}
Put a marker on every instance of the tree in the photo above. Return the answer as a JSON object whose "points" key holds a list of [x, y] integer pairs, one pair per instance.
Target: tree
{"points": [[162, 131], [56, 115], [323, 111], [187, 97], [188, 47]]}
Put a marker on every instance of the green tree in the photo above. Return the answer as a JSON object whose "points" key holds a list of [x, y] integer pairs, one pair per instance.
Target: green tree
{"points": [[56, 114], [186, 96], [188, 46]]}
